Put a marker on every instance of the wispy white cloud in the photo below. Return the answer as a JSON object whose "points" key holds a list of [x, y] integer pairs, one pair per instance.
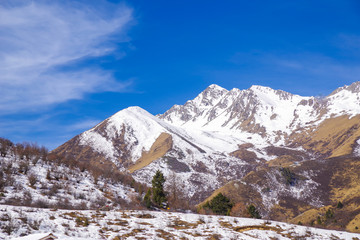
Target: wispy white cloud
{"points": [[39, 38]]}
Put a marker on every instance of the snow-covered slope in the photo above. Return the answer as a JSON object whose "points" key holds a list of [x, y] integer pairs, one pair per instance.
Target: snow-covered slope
{"points": [[273, 114], [47, 182], [344, 100], [195, 156], [73, 225]]}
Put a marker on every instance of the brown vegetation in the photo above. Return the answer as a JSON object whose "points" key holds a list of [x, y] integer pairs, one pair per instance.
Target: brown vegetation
{"points": [[159, 148]]}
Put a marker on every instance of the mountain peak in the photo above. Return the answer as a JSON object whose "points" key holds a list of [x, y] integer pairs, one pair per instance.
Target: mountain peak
{"points": [[260, 88], [209, 96], [215, 87], [133, 110], [354, 88]]}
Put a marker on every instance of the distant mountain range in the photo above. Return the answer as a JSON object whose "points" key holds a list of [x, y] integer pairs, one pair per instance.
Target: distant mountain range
{"points": [[293, 157]]}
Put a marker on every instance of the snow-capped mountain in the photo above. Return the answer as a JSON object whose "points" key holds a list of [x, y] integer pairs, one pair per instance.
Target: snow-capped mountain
{"points": [[261, 110], [135, 140], [206, 130], [223, 136]]}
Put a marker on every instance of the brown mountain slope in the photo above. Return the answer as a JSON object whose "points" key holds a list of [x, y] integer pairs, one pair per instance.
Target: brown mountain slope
{"points": [[332, 138], [305, 187], [335, 179]]}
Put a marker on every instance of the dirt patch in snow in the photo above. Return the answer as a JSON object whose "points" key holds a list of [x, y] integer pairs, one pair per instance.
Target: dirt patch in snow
{"points": [[159, 148]]}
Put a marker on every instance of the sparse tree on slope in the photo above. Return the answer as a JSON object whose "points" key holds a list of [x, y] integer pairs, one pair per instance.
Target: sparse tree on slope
{"points": [[147, 198], [158, 192]]}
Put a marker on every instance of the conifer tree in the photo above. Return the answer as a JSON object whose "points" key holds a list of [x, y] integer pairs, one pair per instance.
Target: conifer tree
{"points": [[158, 192], [254, 213], [220, 204], [147, 198]]}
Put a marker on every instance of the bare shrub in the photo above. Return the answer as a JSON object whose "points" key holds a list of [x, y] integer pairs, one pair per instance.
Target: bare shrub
{"points": [[32, 180], [27, 198], [5, 146], [41, 204], [23, 167], [54, 189]]}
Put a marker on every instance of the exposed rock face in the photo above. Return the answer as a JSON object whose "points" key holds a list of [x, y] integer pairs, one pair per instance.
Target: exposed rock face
{"points": [[239, 136]]}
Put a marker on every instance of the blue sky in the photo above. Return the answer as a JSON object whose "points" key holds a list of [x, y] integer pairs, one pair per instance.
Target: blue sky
{"points": [[67, 65]]}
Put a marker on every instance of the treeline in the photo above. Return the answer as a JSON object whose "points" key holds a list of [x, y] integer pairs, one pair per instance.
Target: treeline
{"points": [[33, 152], [23, 151]]}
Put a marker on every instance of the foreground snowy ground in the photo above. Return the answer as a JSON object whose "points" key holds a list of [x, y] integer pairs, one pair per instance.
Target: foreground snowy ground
{"points": [[91, 224]]}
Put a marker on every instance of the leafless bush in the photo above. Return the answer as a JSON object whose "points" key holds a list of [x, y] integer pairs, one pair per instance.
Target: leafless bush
{"points": [[27, 198], [5, 146], [81, 206], [32, 180], [64, 203], [34, 224], [9, 180], [54, 189], [9, 168], [9, 226], [41, 204], [23, 167], [2, 180]]}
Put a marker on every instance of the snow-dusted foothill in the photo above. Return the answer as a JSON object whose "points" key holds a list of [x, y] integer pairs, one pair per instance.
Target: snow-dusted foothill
{"points": [[28, 178]]}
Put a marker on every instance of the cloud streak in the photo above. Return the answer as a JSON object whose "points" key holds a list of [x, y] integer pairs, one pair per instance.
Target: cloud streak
{"points": [[39, 40]]}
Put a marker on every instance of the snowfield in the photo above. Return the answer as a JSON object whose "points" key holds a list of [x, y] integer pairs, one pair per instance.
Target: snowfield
{"points": [[32, 223]]}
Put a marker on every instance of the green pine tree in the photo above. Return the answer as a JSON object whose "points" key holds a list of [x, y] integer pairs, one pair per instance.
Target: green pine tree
{"points": [[220, 204], [158, 193], [147, 198], [254, 213]]}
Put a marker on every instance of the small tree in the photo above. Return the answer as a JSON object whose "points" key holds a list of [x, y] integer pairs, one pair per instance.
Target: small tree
{"points": [[289, 176], [147, 198], [254, 213], [220, 205], [158, 193], [329, 214]]}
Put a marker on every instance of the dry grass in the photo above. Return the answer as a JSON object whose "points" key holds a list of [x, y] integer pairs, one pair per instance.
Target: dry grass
{"points": [[345, 182], [180, 224], [354, 225], [244, 154], [146, 215], [133, 233], [118, 222], [258, 227], [238, 192], [334, 137], [282, 161], [159, 148], [226, 224], [164, 234]]}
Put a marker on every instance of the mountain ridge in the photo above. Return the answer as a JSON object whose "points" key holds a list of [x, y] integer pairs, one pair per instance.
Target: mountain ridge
{"points": [[222, 136]]}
